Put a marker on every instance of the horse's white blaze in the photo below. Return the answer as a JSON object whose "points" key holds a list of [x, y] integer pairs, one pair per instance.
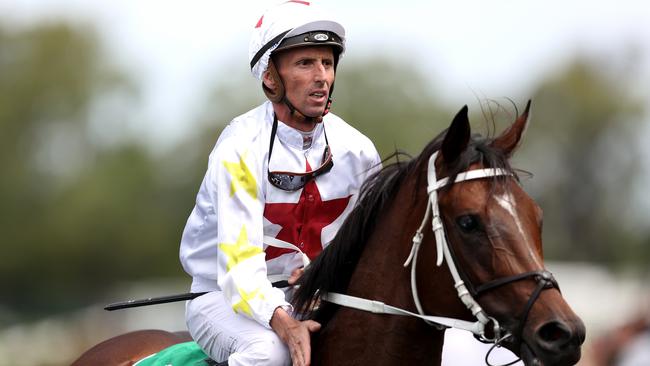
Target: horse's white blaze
{"points": [[507, 202]]}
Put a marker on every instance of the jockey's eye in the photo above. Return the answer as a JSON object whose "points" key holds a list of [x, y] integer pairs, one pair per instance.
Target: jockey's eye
{"points": [[468, 223]]}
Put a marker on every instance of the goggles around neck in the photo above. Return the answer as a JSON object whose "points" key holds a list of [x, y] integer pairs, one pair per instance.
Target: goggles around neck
{"points": [[289, 181]]}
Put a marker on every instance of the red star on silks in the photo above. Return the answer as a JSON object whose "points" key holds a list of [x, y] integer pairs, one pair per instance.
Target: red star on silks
{"points": [[303, 222]]}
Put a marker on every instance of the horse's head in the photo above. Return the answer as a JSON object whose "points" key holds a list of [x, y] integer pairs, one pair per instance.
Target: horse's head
{"points": [[494, 231]]}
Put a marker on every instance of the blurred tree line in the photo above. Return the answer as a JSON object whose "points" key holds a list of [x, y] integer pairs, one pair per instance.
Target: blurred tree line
{"points": [[84, 205]]}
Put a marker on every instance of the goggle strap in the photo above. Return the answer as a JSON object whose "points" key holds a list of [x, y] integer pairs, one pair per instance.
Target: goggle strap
{"points": [[274, 130], [266, 47]]}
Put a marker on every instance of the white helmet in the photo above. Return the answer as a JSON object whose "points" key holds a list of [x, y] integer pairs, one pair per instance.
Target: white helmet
{"points": [[278, 27]]}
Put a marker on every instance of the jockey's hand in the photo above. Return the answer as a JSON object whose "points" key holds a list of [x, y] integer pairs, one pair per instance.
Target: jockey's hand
{"points": [[295, 275], [295, 334]]}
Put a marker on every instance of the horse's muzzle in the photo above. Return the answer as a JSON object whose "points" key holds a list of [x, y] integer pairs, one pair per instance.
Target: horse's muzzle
{"points": [[554, 343]]}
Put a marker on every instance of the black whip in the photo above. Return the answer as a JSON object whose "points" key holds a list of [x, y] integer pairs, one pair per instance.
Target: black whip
{"points": [[169, 298]]}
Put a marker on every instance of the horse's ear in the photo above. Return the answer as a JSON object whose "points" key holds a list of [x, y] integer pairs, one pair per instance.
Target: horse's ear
{"points": [[509, 140], [457, 137]]}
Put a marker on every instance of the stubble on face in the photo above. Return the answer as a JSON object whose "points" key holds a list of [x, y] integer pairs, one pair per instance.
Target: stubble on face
{"points": [[307, 74]]}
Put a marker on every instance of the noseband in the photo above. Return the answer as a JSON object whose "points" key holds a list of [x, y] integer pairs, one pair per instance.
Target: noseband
{"points": [[466, 291]]}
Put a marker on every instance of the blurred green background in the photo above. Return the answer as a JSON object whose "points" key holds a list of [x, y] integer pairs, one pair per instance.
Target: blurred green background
{"points": [[93, 199]]}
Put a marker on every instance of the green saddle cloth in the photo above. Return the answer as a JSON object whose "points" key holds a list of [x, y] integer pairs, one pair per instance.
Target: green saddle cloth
{"points": [[182, 354]]}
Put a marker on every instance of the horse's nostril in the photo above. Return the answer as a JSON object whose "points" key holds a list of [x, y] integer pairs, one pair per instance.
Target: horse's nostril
{"points": [[554, 335], [555, 342]]}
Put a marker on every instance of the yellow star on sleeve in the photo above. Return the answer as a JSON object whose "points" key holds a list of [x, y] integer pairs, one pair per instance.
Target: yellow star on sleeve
{"points": [[239, 251], [242, 177], [246, 297]]}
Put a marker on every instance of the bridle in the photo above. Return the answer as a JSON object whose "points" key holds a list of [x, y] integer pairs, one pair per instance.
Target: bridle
{"points": [[466, 291]]}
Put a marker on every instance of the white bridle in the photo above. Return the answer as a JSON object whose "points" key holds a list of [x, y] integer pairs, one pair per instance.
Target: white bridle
{"points": [[443, 252]]}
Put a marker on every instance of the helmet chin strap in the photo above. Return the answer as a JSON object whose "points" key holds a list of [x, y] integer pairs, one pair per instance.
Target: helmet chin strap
{"points": [[301, 116]]}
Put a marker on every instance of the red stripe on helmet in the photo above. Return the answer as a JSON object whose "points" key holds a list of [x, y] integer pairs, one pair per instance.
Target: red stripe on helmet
{"points": [[259, 22], [298, 2]]}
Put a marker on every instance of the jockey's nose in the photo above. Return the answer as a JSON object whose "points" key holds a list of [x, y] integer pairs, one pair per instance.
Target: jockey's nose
{"points": [[320, 72]]}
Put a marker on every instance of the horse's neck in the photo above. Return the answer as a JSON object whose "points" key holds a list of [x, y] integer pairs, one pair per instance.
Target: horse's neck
{"points": [[354, 337], [358, 337]]}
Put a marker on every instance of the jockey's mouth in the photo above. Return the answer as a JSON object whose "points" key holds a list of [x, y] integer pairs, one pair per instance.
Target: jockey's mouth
{"points": [[320, 95]]}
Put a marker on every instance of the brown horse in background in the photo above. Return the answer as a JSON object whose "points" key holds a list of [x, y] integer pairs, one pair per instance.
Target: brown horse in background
{"points": [[494, 233]]}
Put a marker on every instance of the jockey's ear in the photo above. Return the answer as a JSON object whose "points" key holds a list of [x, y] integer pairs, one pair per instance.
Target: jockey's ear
{"points": [[272, 84], [510, 139], [457, 137]]}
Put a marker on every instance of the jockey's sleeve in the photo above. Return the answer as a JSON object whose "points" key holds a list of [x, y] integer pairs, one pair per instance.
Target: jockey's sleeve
{"points": [[235, 178]]}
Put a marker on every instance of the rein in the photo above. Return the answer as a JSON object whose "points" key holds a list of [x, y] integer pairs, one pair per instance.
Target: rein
{"points": [[467, 296]]}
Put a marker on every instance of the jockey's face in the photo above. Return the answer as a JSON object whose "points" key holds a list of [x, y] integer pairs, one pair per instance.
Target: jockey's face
{"points": [[307, 74]]}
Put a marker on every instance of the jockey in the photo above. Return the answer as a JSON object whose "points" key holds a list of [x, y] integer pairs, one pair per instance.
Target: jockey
{"points": [[285, 172]]}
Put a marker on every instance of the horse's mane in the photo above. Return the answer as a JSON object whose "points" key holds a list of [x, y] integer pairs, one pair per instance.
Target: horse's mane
{"points": [[332, 269]]}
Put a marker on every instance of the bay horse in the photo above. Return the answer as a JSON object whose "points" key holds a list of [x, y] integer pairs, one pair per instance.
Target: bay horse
{"points": [[381, 292]]}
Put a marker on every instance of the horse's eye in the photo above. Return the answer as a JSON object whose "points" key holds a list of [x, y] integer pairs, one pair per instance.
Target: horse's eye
{"points": [[468, 223]]}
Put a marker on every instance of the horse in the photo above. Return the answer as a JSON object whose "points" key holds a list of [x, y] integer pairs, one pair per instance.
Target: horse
{"points": [[379, 288]]}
